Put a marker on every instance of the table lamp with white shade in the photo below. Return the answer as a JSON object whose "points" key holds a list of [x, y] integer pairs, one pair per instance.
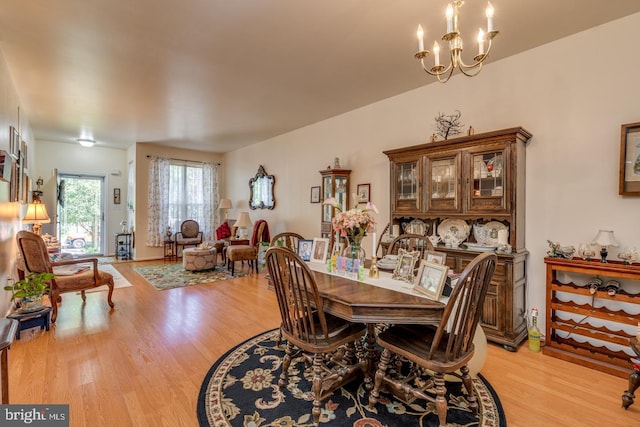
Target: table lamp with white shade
{"points": [[225, 204], [37, 215], [604, 238], [243, 223]]}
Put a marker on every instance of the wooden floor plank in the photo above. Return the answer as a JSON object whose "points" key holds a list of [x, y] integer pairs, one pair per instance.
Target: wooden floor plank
{"points": [[142, 363]]}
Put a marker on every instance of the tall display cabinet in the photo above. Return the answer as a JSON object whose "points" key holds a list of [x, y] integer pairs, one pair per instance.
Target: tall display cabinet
{"points": [[335, 183], [476, 179]]}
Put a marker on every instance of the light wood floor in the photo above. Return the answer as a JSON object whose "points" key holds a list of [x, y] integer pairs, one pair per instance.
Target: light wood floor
{"points": [[142, 363]]}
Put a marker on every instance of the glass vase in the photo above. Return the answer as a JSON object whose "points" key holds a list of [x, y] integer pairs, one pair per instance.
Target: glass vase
{"points": [[353, 256]]}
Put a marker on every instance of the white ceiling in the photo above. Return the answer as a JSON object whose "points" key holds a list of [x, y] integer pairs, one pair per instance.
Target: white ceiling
{"points": [[216, 75]]}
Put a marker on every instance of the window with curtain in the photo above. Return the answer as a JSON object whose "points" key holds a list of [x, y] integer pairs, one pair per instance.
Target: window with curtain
{"points": [[181, 190]]}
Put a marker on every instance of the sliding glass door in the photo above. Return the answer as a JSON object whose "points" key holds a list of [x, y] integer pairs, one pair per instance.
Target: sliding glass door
{"points": [[80, 214]]}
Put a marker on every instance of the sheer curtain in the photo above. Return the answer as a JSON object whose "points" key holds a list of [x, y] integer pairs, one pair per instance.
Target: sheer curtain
{"points": [[158, 213], [180, 190]]}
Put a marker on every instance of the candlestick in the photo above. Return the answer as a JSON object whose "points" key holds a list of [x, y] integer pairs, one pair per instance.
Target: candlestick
{"points": [[373, 251], [373, 270], [449, 18], [489, 13], [436, 53], [480, 42], [420, 35]]}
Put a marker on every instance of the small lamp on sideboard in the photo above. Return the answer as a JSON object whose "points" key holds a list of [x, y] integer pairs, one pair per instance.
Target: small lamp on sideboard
{"points": [[37, 215], [604, 238]]}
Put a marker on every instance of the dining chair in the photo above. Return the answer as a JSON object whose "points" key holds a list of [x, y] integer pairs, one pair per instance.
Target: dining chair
{"points": [[289, 240], [331, 346], [379, 245], [35, 259], [442, 349], [411, 242]]}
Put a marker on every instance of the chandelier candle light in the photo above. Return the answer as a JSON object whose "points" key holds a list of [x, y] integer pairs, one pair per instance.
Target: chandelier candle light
{"points": [[455, 46]]}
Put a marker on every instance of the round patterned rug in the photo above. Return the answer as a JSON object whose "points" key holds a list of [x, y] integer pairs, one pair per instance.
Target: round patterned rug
{"points": [[241, 389]]}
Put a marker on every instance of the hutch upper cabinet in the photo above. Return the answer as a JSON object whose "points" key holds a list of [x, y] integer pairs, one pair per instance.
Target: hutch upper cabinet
{"points": [[478, 179], [335, 183]]}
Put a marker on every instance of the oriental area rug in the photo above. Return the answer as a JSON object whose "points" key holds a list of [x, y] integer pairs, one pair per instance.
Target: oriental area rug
{"points": [[241, 389], [169, 276]]}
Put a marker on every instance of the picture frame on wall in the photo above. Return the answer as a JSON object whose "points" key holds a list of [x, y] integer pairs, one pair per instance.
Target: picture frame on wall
{"points": [[629, 175], [23, 155], [315, 194], [430, 279], [364, 193], [14, 142], [116, 196]]}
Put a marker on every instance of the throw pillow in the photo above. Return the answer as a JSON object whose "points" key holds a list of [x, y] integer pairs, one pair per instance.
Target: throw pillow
{"points": [[223, 231]]}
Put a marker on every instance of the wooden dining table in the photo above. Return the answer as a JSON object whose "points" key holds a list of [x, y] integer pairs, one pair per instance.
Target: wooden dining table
{"points": [[373, 302]]}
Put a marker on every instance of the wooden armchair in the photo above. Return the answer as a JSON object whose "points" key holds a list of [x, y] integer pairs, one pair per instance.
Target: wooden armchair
{"points": [[329, 343], [444, 349], [189, 235], [36, 260]]}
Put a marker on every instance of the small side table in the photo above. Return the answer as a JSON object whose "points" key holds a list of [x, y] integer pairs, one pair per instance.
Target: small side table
{"points": [[8, 329], [32, 319], [170, 250], [634, 377]]}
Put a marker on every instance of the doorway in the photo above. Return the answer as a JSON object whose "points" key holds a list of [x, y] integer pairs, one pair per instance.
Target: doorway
{"points": [[80, 214]]}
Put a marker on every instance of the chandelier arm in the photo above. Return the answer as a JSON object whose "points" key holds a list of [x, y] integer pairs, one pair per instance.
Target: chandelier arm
{"points": [[477, 66], [450, 68], [435, 73]]}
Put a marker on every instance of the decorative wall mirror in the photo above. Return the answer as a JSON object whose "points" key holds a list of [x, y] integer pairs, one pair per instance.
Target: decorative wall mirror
{"points": [[261, 190]]}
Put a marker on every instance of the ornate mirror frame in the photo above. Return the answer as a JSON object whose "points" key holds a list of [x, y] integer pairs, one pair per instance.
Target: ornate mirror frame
{"points": [[261, 190]]}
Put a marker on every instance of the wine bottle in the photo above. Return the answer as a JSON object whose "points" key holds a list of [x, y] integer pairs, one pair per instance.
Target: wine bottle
{"points": [[534, 332]]}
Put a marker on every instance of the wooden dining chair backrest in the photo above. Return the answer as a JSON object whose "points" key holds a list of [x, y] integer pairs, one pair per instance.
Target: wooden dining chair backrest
{"points": [[298, 298], [386, 228], [462, 312], [289, 240], [411, 242]]}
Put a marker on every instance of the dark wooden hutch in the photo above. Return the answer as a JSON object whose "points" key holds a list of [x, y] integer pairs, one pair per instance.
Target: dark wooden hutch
{"points": [[477, 178]]}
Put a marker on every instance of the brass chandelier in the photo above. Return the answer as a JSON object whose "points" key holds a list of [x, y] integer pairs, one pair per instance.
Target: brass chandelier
{"points": [[442, 73]]}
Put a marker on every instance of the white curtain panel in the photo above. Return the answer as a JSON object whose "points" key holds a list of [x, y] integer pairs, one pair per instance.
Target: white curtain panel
{"points": [[158, 201]]}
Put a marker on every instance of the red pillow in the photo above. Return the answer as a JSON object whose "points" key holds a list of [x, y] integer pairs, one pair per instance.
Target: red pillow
{"points": [[223, 231]]}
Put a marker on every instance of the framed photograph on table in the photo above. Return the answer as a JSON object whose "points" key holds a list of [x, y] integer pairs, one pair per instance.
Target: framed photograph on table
{"points": [[430, 279], [319, 249], [405, 265], [364, 193], [304, 249], [630, 160], [315, 194], [436, 257]]}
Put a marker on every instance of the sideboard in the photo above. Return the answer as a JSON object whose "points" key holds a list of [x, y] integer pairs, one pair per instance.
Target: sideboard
{"points": [[477, 179]]}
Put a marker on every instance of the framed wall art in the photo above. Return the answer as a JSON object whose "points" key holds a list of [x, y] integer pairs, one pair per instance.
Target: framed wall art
{"points": [[630, 160], [430, 279], [315, 194], [116, 196], [364, 193], [14, 142]]}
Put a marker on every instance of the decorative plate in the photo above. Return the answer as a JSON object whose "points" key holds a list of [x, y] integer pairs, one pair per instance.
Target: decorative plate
{"points": [[416, 227], [492, 228], [453, 229], [479, 247]]}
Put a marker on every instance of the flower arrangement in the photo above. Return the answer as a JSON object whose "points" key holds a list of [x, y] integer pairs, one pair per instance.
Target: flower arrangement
{"points": [[353, 223]]}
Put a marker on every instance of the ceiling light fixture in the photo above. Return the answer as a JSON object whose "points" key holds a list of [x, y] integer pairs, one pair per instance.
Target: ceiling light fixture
{"points": [[86, 142], [455, 46]]}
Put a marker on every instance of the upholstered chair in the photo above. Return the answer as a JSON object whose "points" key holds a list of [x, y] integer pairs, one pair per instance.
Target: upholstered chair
{"points": [[189, 235], [35, 259]]}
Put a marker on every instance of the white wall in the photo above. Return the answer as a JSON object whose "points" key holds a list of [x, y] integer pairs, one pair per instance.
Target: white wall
{"points": [[572, 94], [75, 159]]}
